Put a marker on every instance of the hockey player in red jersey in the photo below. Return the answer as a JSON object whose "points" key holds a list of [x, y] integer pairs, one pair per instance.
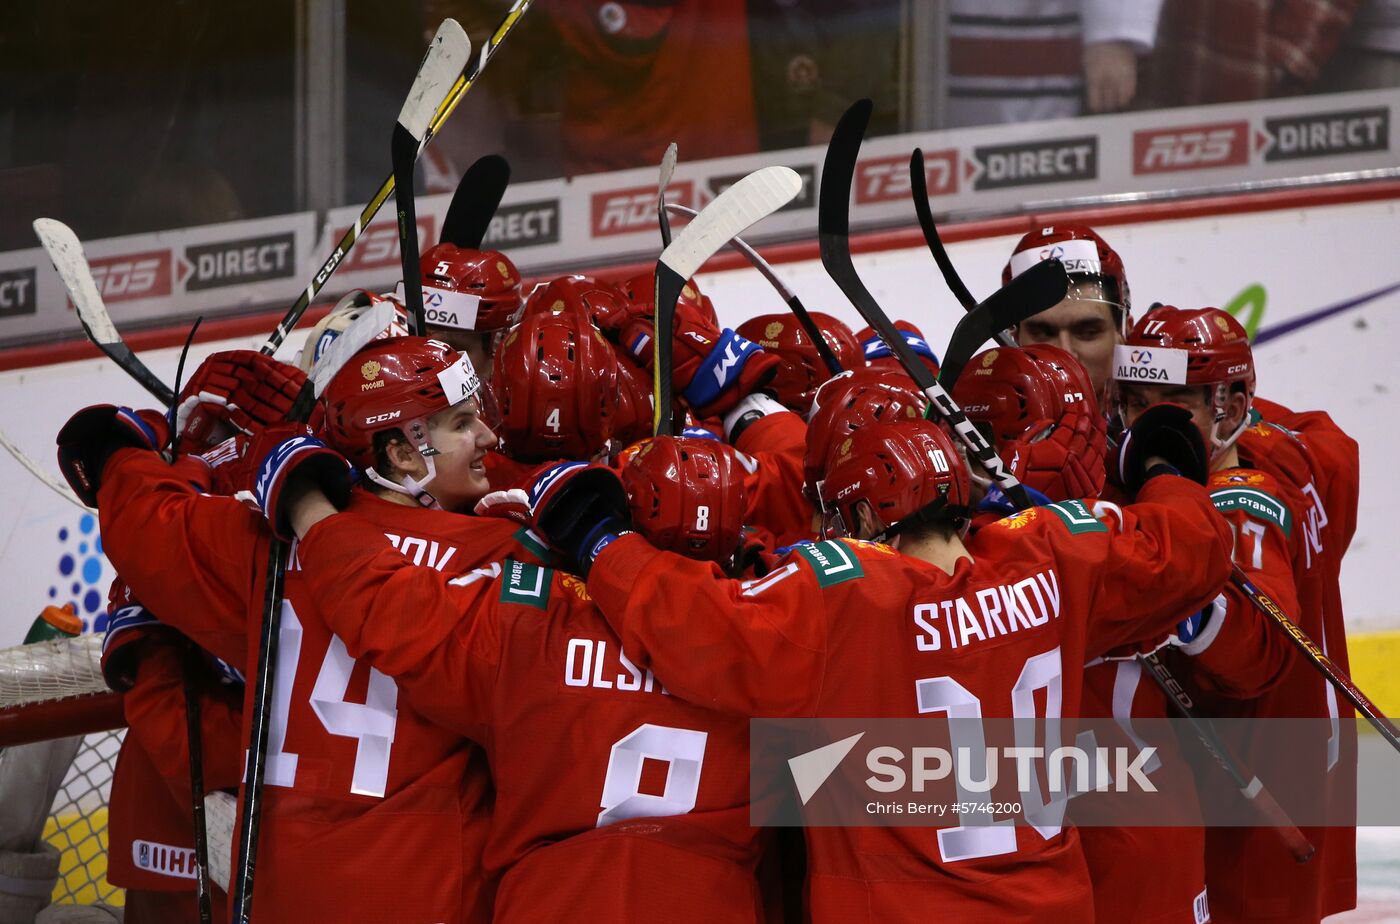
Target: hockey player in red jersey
{"points": [[1263, 480], [360, 787], [518, 658], [840, 611], [1096, 312]]}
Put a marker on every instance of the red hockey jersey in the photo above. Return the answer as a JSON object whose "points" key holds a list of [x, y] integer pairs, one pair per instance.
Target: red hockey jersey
{"points": [[854, 629], [615, 800], [360, 787]]}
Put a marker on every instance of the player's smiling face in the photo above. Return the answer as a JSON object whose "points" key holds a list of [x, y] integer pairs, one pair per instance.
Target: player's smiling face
{"points": [[461, 439]]}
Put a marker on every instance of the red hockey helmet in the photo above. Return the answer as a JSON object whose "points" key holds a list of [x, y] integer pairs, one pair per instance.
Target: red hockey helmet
{"points": [[686, 495], [1086, 256], [599, 301], [904, 471], [641, 289], [880, 355], [801, 367], [850, 401], [556, 388], [635, 398], [394, 384], [1020, 394], [452, 275], [1202, 346]]}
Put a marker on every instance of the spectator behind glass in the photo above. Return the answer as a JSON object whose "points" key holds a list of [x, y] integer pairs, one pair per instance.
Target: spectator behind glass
{"points": [[1218, 51], [640, 75], [1025, 60], [1371, 59]]}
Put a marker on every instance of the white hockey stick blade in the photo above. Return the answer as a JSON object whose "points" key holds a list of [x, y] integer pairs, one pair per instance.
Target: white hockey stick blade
{"points": [[756, 196], [443, 63], [738, 243], [220, 813], [58, 487], [668, 167], [66, 253], [366, 327]]}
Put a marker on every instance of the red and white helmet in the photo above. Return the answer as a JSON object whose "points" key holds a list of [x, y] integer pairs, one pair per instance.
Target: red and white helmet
{"points": [[849, 402], [1086, 256], [346, 312], [801, 368], [904, 472], [635, 401], [1202, 346], [686, 495], [467, 289], [396, 384], [556, 387]]}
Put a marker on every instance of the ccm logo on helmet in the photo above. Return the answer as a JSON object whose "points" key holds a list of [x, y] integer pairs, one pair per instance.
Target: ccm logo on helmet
{"points": [[381, 418], [1240, 368]]}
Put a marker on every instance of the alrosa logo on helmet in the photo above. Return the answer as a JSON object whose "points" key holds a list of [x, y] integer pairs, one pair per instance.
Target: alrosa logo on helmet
{"points": [[1141, 356]]}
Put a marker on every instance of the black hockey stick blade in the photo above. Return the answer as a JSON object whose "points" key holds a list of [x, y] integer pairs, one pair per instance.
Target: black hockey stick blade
{"points": [[833, 238], [668, 167], [474, 204], [794, 303], [918, 184], [1039, 288], [404, 151]]}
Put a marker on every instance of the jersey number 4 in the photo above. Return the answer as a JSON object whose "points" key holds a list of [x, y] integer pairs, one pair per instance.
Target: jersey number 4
{"points": [[370, 723]]}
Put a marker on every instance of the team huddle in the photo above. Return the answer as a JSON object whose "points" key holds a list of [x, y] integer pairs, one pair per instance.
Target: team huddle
{"points": [[522, 637]]}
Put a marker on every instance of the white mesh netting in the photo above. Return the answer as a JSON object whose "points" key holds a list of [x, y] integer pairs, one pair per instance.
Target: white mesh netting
{"points": [[51, 670]]}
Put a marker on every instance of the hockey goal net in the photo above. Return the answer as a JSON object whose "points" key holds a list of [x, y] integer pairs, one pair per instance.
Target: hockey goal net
{"points": [[51, 691]]}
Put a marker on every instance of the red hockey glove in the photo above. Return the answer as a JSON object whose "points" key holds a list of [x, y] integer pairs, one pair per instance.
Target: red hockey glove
{"points": [[287, 451], [89, 438], [242, 389], [1066, 465]]}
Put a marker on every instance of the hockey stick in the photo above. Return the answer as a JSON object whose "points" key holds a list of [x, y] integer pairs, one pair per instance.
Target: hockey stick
{"points": [[196, 739], [668, 167], [445, 59], [1319, 659], [918, 185], [1038, 288], [368, 326], [799, 310], [1249, 785], [352, 234], [475, 201], [49, 481], [833, 225], [66, 253], [756, 196]]}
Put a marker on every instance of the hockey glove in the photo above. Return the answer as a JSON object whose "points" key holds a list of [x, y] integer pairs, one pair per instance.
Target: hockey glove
{"points": [[291, 451], [129, 625], [89, 438], [1066, 465], [510, 504], [1167, 431], [712, 369], [878, 353], [240, 390], [579, 509]]}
